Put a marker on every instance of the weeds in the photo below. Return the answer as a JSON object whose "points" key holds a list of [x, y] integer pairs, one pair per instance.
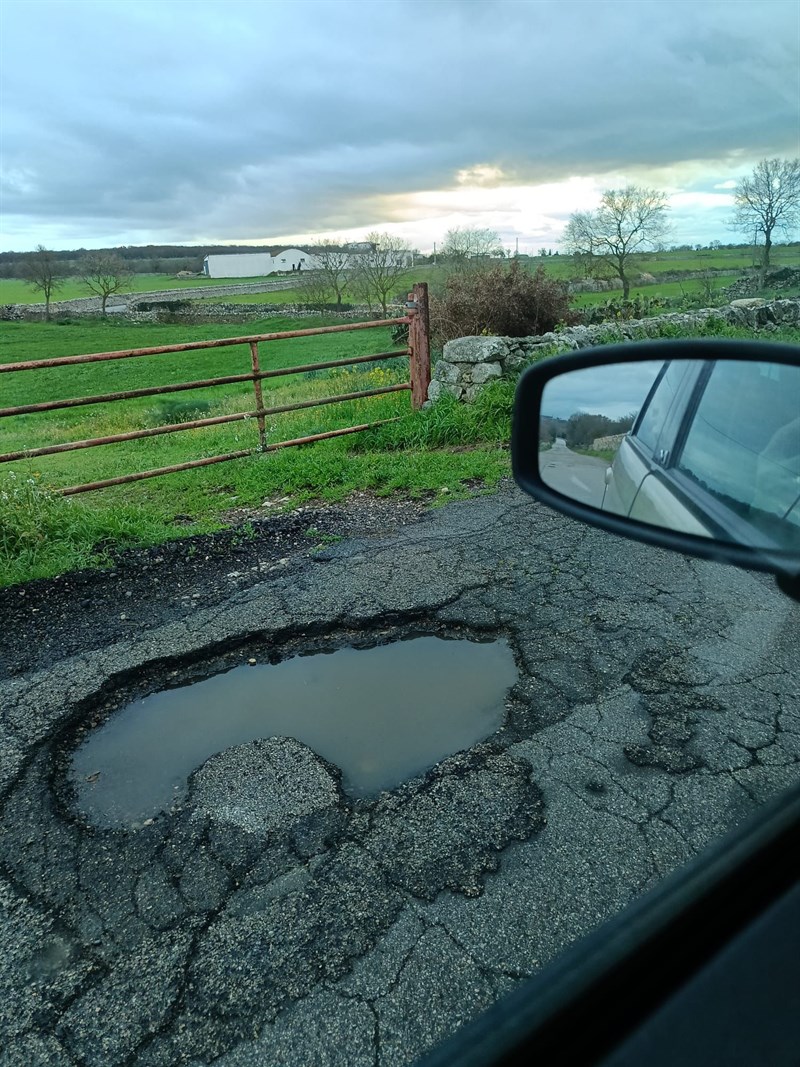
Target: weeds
{"points": [[43, 533], [447, 446]]}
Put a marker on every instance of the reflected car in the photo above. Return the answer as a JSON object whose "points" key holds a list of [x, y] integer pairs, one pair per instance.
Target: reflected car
{"points": [[715, 452]]}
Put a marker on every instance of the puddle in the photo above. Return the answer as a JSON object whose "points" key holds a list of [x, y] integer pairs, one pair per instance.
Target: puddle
{"points": [[382, 715]]}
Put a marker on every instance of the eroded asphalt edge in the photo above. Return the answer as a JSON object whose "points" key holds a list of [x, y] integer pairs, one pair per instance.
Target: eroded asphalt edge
{"points": [[657, 705]]}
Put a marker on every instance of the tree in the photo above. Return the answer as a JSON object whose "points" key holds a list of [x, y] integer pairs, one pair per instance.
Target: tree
{"points": [[468, 243], [43, 273], [333, 265], [104, 273], [628, 220], [767, 201], [378, 270], [314, 289]]}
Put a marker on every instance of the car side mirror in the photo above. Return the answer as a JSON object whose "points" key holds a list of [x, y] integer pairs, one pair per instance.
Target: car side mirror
{"points": [[692, 445]]}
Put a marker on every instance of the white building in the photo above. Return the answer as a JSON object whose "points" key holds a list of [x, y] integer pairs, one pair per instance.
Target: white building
{"points": [[257, 264]]}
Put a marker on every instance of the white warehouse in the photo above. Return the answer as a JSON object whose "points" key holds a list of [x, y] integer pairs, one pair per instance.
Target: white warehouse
{"points": [[257, 264]]}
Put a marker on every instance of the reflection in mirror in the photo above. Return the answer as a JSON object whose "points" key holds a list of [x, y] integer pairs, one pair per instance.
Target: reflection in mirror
{"points": [[698, 446]]}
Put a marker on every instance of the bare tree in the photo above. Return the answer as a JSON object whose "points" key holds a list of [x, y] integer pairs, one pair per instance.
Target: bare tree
{"points": [[628, 220], [315, 289], [43, 273], [333, 264], [464, 243], [377, 272], [104, 274], [768, 201]]}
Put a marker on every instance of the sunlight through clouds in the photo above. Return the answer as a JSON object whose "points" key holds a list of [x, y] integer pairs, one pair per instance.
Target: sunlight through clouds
{"points": [[509, 115]]}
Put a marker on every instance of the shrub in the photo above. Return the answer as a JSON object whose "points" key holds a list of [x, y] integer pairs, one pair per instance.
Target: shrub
{"points": [[640, 307], [505, 300]]}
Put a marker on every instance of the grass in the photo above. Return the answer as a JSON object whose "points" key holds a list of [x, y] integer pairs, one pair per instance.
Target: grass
{"points": [[17, 291], [667, 290], [437, 453], [81, 531], [598, 453]]}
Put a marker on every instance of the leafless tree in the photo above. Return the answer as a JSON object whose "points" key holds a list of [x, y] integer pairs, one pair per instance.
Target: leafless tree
{"points": [[628, 220], [334, 267], [314, 287], [768, 201], [104, 274], [43, 273], [377, 272], [468, 244]]}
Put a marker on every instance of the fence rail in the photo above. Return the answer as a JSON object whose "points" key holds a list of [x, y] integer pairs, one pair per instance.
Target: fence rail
{"points": [[417, 351]]}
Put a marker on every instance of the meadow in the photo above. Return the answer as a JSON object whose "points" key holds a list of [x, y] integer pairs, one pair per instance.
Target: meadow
{"points": [[42, 533], [16, 291], [440, 453]]}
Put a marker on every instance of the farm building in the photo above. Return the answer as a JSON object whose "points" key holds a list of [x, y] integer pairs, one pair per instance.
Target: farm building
{"points": [[257, 264]]}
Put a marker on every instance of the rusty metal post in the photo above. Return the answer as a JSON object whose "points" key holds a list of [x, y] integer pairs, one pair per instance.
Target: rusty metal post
{"points": [[419, 332], [262, 425]]}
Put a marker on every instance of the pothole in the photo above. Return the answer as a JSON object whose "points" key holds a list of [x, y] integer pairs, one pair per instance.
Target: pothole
{"points": [[381, 715]]}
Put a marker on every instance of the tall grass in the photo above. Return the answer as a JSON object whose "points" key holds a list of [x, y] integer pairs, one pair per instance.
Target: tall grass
{"points": [[437, 453]]}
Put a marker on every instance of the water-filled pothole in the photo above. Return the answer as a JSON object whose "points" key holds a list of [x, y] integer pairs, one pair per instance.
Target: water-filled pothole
{"points": [[382, 715]]}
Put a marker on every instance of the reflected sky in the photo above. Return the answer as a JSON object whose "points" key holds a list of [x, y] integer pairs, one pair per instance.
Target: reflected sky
{"points": [[613, 390]]}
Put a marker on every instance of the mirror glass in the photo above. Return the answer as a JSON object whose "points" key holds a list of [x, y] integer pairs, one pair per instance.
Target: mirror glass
{"points": [[707, 447]]}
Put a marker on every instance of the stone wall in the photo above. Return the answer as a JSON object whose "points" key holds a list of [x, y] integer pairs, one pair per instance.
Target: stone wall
{"points": [[608, 444], [92, 305], [196, 312], [186, 310], [469, 363], [782, 278]]}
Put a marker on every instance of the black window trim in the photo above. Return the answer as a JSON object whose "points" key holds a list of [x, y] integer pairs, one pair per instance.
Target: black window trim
{"points": [[675, 416], [707, 505]]}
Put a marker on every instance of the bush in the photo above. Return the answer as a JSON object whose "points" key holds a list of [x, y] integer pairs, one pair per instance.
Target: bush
{"points": [[640, 307], [505, 301]]}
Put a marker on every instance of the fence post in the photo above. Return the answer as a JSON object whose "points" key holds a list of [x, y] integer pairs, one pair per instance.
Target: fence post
{"points": [[262, 425], [419, 334]]}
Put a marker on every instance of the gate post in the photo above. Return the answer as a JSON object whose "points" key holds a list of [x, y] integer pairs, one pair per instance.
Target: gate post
{"points": [[419, 333], [262, 425]]}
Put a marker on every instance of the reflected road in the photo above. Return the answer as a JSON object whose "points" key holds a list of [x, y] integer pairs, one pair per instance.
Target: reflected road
{"points": [[581, 478]]}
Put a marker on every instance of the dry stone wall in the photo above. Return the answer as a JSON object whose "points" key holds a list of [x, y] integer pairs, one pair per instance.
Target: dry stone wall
{"points": [[92, 305], [469, 363]]}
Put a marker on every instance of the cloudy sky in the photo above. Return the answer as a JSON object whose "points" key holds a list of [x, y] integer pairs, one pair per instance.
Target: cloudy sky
{"points": [[613, 391], [198, 121]]}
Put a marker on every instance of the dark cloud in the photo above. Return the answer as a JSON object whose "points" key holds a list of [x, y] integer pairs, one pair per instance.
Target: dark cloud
{"points": [[235, 120]]}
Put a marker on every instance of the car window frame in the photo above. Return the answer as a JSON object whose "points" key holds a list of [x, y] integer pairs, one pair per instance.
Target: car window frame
{"points": [[672, 422], [709, 508]]}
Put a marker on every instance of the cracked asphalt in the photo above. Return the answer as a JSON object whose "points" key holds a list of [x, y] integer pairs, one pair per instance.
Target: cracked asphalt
{"points": [[272, 919]]}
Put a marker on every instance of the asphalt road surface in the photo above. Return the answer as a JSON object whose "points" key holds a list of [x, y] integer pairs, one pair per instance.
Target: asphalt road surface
{"points": [[270, 919], [581, 478]]}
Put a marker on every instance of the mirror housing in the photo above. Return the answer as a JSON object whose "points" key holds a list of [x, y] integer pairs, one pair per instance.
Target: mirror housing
{"points": [[527, 429]]}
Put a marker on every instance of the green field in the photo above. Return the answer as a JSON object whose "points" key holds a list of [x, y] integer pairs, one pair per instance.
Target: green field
{"points": [[42, 535], [439, 451], [690, 287], [16, 291], [655, 263]]}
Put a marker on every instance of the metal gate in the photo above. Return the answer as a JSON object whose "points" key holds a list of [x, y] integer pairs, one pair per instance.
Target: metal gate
{"points": [[417, 352]]}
